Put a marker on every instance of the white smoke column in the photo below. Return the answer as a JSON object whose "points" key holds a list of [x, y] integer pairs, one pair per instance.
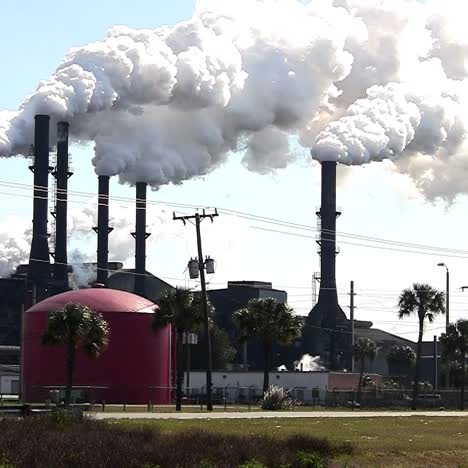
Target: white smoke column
{"points": [[356, 80], [84, 271], [309, 364], [15, 241]]}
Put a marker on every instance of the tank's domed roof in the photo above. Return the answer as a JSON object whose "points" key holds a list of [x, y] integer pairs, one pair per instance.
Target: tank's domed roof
{"points": [[97, 299]]}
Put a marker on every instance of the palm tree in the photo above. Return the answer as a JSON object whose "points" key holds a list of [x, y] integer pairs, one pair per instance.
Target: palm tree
{"points": [[271, 322], [182, 309], [74, 326], [362, 349], [455, 342], [425, 302]]}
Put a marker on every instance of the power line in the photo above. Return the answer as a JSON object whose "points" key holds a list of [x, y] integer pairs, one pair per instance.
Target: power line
{"points": [[405, 246]]}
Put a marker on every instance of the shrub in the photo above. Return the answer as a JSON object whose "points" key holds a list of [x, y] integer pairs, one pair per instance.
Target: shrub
{"points": [[252, 464], [310, 460], [276, 398], [52, 444]]}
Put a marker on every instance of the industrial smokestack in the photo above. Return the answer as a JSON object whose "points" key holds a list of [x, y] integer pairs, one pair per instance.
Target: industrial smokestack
{"points": [[39, 261], [140, 235], [61, 173], [103, 230], [326, 324]]}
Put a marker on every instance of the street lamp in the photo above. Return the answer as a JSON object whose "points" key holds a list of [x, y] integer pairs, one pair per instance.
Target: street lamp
{"points": [[447, 295]]}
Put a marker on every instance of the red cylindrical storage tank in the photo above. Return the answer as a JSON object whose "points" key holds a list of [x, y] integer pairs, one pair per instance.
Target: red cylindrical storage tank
{"points": [[135, 367]]}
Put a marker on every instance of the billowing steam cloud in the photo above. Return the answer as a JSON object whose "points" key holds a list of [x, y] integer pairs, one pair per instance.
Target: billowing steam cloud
{"points": [[309, 363], [226, 240], [15, 241], [355, 80]]}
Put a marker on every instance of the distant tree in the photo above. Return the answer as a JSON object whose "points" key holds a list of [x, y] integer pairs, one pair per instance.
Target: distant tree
{"points": [[180, 308], [426, 303], [401, 359], [221, 349], [455, 343], [271, 322], [75, 326], [363, 349]]}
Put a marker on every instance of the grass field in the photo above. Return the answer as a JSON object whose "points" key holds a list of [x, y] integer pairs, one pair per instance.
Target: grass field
{"points": [[380, 442]]}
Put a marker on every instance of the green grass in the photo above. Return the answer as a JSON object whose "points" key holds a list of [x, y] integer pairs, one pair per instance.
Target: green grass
{"points": [[381, 442]]}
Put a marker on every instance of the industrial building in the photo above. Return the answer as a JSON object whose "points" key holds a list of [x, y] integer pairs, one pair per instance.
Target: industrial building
{"points": [[226, 301], [327, 330]]}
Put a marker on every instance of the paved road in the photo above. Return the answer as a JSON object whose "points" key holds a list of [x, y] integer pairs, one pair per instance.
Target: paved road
{"points": [[282, 414]]}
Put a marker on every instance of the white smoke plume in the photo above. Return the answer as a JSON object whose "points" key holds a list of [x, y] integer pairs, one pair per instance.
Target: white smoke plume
{"points": [[84, 269], [15, 241], [226, 240], [309, 363], [355, 80]]}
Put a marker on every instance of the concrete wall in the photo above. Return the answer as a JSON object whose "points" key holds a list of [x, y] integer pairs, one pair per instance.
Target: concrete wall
{"points": [[239, 383], [348, 381]]}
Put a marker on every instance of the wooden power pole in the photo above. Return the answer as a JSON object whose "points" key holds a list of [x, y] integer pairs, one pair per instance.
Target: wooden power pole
{"points": [[201, 267]]}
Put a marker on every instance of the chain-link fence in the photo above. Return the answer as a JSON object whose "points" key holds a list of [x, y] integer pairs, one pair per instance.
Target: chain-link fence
{"points": [[102, 398]]}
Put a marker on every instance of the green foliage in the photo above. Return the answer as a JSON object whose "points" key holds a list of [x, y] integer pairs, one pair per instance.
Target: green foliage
{"points": [[455, 341], [364, 348], [401, 356], [269, 320], [276, 398], [310, 460], [425, 387], [426, 303], [421, 300], [222, 351], [181, 308], [62, 417], [4, 463], [77, 325], [252, 464], [368, 381]]}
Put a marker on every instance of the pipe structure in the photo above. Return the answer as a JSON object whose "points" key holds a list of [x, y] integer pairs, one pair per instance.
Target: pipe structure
{"points": [[62, 174], [326, 323], [140, 235], [39, 259], [102, 230]]}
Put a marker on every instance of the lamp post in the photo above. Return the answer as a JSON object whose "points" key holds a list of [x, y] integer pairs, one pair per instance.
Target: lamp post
{"points": [[447, 296], [447, 316]]}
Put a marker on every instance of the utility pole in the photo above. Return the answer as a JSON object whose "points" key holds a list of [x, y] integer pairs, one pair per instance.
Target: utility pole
{"points": [[351, 318], [436, 376], [201, 268]]}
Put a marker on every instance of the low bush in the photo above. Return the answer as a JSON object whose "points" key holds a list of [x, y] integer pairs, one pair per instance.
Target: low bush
{"points": [[44, 442], [276, 398]]}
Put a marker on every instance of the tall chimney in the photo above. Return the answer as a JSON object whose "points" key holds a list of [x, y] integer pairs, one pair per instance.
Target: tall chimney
{"points": [[103, 230], [39, 261], [140, 235], [325, 331], [62, 174]]}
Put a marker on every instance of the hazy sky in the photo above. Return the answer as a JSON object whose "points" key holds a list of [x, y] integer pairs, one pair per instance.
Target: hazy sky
{"points": [[375, 201]]}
